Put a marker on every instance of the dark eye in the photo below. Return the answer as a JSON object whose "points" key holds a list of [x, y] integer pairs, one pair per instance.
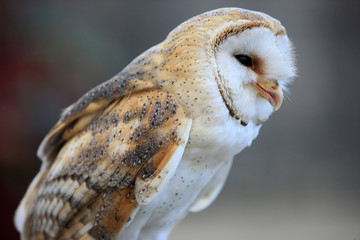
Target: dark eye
{"points": [[244, 60]]}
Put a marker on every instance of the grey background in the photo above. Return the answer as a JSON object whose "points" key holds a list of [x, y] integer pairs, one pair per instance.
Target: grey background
{"points": [[299, 180]]}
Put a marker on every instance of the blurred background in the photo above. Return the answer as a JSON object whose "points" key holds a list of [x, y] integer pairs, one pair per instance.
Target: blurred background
{"points": [[301, 177]]}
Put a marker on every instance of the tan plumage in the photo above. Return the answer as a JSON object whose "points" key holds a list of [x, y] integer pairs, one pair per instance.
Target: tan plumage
{"points": [[120, 148]]}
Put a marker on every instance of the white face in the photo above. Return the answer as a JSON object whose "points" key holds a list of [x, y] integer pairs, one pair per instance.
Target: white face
{"points": [[253, 58]]}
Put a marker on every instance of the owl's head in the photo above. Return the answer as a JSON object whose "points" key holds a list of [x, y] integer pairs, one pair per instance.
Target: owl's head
{"points": [[253, 65], [250, 57]]}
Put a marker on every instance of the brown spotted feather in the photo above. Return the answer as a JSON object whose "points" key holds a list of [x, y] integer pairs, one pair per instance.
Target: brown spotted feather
{"points": [[89, 189]]}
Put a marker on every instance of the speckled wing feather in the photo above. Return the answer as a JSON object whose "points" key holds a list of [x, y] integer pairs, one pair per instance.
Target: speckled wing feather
{"points": [[111, 161], [73, 120]]}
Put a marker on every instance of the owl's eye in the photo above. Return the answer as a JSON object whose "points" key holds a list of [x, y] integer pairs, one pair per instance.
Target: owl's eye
{"points": [[244, 60]]}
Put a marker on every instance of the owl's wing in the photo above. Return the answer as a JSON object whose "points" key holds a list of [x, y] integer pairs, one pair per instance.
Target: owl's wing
{"points": [[73, 120], [212, 190], [112, 161]]}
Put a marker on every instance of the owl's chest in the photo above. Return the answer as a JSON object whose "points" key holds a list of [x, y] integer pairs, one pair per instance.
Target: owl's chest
{"points": [[205, 156], [198, 166]]}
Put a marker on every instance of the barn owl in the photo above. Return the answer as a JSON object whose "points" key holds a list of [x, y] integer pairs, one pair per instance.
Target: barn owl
{"points": [[135, 154]]}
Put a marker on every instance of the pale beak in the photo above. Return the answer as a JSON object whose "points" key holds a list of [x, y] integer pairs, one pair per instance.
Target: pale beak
{"points": [[271, 91]]}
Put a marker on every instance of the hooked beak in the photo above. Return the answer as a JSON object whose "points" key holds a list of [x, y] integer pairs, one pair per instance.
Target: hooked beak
{"points": [[271, 91]]}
